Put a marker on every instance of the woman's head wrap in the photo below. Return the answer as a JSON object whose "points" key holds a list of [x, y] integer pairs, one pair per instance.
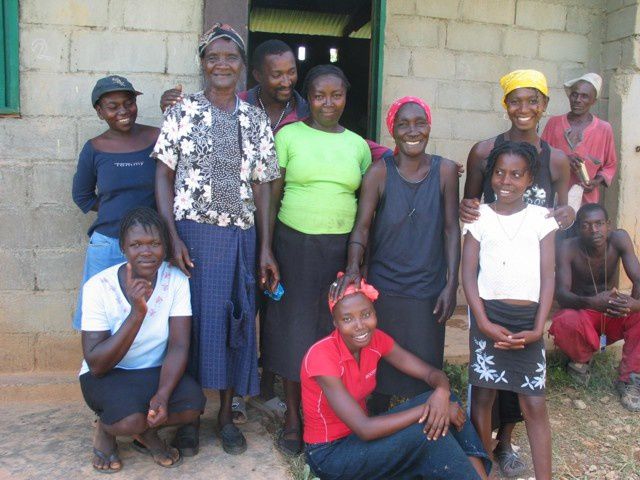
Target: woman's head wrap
{"points": [[367, 290], [397, 105], [523, 79], [221, 30]]}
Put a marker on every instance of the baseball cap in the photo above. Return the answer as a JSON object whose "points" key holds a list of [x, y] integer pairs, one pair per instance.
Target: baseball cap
{"points": [[112, 83]]}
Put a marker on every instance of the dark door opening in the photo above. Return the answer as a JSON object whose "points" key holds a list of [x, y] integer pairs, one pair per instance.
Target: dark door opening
{"points": [[325, 31]]}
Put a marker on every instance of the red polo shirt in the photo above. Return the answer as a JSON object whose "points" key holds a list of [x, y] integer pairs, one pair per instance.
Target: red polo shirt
{"points": [[330, 357]]}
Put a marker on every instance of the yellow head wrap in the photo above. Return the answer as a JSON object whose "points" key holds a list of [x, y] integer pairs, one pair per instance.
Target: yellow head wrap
{"points": [[523, 79]]}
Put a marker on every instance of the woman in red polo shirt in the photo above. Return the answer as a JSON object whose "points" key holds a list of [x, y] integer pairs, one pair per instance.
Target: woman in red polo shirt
{"points": [[411, 440]]}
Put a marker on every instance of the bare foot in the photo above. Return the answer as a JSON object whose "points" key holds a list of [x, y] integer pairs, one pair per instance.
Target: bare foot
{"points": [[163, 455], [105, 451]]}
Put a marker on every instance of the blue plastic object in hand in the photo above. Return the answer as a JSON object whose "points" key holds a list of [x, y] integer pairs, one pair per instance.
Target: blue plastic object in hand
{"points": [[277, 295]]}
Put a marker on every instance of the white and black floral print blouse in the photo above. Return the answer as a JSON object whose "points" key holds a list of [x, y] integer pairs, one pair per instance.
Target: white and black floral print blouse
{"points": [[213, 171]]}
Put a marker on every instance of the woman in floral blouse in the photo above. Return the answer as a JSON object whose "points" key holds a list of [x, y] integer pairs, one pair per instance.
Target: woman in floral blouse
{"points": [[216, 157]]}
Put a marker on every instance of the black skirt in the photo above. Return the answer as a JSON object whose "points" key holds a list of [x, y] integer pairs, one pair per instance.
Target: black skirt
{"points": [[521, 371], [308, 265], [121, 393], [412, 324]]}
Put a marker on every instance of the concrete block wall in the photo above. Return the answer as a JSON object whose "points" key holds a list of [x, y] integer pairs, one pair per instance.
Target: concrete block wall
{"points": [[65, 46], [453, 53]]}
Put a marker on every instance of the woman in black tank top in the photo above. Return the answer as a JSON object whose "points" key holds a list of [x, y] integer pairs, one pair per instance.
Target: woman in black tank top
{"points": [[525, 101], [407, 220]]}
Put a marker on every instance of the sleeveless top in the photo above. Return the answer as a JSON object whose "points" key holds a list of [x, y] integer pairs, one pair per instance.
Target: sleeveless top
{"points": [[541, 193], [407, 241]]}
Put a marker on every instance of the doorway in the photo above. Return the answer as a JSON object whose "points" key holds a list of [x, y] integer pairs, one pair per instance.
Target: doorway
{"points": [[347, 33]]}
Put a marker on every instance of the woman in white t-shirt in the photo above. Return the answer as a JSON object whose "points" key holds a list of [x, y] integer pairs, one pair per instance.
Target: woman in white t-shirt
{"points": [[508, 278], [136, 325]]}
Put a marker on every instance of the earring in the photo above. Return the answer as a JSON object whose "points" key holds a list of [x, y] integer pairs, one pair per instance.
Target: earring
{"points": [[504, 116]]}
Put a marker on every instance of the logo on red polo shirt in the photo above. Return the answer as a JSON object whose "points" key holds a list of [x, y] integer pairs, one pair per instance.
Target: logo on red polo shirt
{"points": [[370, 374]]}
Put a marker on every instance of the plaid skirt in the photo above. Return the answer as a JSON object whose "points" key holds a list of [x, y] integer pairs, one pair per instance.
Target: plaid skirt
{"points": [[223, 351]]}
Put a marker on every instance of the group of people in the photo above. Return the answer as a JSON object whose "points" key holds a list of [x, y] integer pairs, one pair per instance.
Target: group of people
{"points": [[238, 211]]}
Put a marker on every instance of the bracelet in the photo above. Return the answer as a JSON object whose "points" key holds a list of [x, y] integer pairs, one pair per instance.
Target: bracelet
{"points": [[364, 247]]}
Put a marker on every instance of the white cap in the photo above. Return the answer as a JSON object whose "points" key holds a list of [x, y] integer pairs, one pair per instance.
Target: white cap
{"points": [[592, 78]]}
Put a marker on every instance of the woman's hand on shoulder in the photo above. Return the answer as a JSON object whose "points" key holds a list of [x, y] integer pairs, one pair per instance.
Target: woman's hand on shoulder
{"points": [[171, 97], [137, 291], [564, 215], [436, 416], [469, 210]]}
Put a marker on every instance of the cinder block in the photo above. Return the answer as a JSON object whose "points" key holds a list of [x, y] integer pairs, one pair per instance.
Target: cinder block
{"points": [[98, 51], [485, 68], [558, 102], [29, 312], [622, 23], [37, 138], [612, 5], [15, 183], [402, 7], [631, 52], [17, 352], [471, 37], [523, 43], [456, 150], [164, 15], [65, 94], [182, 58], [433, 63], [153, 86], [413, 32], [17, 270], [582, 21], [476, 126], [55, 227], [59, 269], [52, 184], [438, 8], [17, 231], [78, 13], [464, 95], [58, 351], [396, 87], [561, 46], [612, 54], [396, 61], [531, 14], [441, 126], [550, 69], [489, 11], [44, 49]]}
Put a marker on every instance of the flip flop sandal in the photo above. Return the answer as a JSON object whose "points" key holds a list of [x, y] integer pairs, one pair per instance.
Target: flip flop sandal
{"points": [[113, 457], [274, 407], [289, 447], [239, 411], [510, 463], [233, 441], [142, 448]]}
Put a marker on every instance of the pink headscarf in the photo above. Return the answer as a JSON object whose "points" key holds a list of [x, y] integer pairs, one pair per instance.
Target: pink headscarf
{"points": [[367, 290], [395, 106]]}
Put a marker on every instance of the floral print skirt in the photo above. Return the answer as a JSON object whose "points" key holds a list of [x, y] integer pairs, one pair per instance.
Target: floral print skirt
{"points": [[521, 371]]}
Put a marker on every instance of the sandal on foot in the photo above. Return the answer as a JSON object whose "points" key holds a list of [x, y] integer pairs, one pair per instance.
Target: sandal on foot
{"points": [[287, 446], [157, 453], [239, 411], [274, 407], [510, 463], [187, 440], [112, 457], [233, 442], [579, 372]]}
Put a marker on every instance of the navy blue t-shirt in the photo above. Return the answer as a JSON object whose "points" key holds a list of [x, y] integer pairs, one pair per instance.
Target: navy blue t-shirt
{"points": [[118, 181]]}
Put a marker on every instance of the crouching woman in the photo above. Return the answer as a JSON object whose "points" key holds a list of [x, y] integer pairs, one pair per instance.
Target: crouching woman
{"points": [[412, 440], [136, 321]]}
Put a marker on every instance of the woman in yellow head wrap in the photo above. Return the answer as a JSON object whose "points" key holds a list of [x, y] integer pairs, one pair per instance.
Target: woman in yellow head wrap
{"points": [[525, 100]]}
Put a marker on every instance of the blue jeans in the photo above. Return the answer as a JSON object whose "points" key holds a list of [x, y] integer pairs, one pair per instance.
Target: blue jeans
{"points": [[102, 252], [406, 454]]}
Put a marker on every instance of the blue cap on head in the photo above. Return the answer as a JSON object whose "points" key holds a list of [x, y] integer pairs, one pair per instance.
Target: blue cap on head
{"points": [[112, 83]]}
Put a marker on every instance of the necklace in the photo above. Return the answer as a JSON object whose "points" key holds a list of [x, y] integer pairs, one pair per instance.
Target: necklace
{"points": [[511, 238], [603, 335], [286, 107]]}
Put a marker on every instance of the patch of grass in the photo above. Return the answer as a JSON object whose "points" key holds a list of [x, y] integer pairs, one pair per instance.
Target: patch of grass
{"points": [[603, 374], [458, 378]]}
